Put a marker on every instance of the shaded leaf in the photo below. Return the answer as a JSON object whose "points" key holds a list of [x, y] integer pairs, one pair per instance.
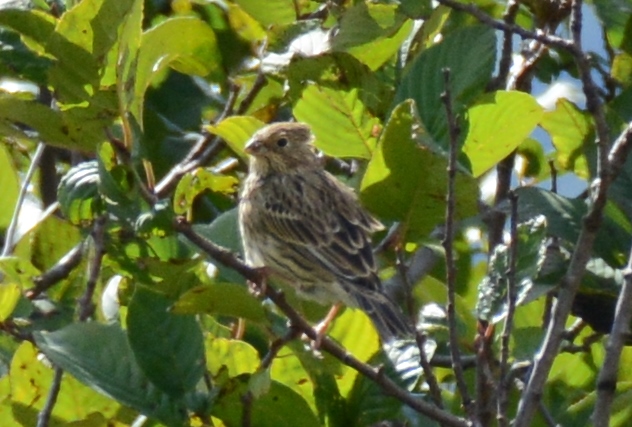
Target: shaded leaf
{"points": [[172, 359], [406, 179], [470, 54], [110, 369]]}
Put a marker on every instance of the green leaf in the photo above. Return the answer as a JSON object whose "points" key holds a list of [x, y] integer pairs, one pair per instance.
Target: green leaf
{"points": [[173, 358], [51, 240], [406, 179], [237, 357], [622, 68], [497, 124], [564, 219], [10, 187], [9, 297], [198, 181], [224, 231], [355, 332], [193, 51], [227, 299], [78, 194], [373, 33], [275, 12], [35, 26], [110, 369], [492, 291], [31, 380], [367, 402], [18, 270], [49, 124], [340, 71], [236, 131], [279, 407], [570, 129], [616, 18], [341, 123], [470, 54]]}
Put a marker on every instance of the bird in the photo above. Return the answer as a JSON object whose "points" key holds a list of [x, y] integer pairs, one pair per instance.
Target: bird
{"points": [[301, 224]]}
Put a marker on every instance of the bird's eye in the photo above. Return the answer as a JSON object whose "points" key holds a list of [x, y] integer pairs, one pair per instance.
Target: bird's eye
{"points": [[282, 142]]}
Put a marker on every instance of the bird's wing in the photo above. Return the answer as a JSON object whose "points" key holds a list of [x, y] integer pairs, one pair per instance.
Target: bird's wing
{"points": [[322, 221]]}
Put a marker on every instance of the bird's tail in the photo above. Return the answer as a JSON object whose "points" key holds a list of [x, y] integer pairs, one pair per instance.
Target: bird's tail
{"points": [[387, 317]]}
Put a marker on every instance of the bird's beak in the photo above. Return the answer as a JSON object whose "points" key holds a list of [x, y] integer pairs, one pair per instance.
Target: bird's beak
{"points": [[254, 147]]}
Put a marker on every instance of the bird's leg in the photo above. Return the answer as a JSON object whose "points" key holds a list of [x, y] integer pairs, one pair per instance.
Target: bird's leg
{"points": [[323, 325]]}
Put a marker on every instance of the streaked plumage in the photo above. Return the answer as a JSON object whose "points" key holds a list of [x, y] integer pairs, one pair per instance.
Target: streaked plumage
{"points": [[305, 226]]}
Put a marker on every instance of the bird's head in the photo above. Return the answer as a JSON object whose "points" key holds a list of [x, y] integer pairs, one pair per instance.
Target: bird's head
{"points": [[282, 147]]}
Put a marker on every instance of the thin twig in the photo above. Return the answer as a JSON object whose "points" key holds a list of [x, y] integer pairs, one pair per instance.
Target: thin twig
{"points": [[420, 336], [608, 167], [505, 380], [57, 272], [571, 280], [484, 18], [246, 411], [209, 145], [10, 239], [43, 417], [607, 379], [227, 258], [431, 379], [447, 242], [86, 307], [504, 65], [259, 84]]}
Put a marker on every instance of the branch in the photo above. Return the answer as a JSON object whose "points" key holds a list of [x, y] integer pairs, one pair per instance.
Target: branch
{"points": [[58, 272], [542, 37], [505, 379], [447, 242], [209, 145], [571, 280], [44, 415], [607, 380], [227, 258], [10, 239], [86, 308]]}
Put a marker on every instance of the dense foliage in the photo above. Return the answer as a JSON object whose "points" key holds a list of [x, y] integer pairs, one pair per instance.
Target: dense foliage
{"points": [[123, 124]]}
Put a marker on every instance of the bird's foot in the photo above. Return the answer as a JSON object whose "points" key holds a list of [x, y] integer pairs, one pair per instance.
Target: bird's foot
{"points": [[259, 288]]}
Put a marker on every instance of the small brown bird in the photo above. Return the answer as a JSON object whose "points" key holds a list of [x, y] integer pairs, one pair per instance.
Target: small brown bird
{"points": [[307, 228]]}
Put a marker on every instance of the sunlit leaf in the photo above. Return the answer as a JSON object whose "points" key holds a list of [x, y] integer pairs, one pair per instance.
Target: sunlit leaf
{"points": [[497, 124], [226, 299], [341, 123], [570, 129], [236, 131]]}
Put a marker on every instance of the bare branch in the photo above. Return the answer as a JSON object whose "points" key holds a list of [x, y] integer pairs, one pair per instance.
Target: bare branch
{"points": [[227, 258], [43, 417], [447, 242], [542, 37], [58, 272], [86, 307], [505, 379], [607, 379], [570, 282]]}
